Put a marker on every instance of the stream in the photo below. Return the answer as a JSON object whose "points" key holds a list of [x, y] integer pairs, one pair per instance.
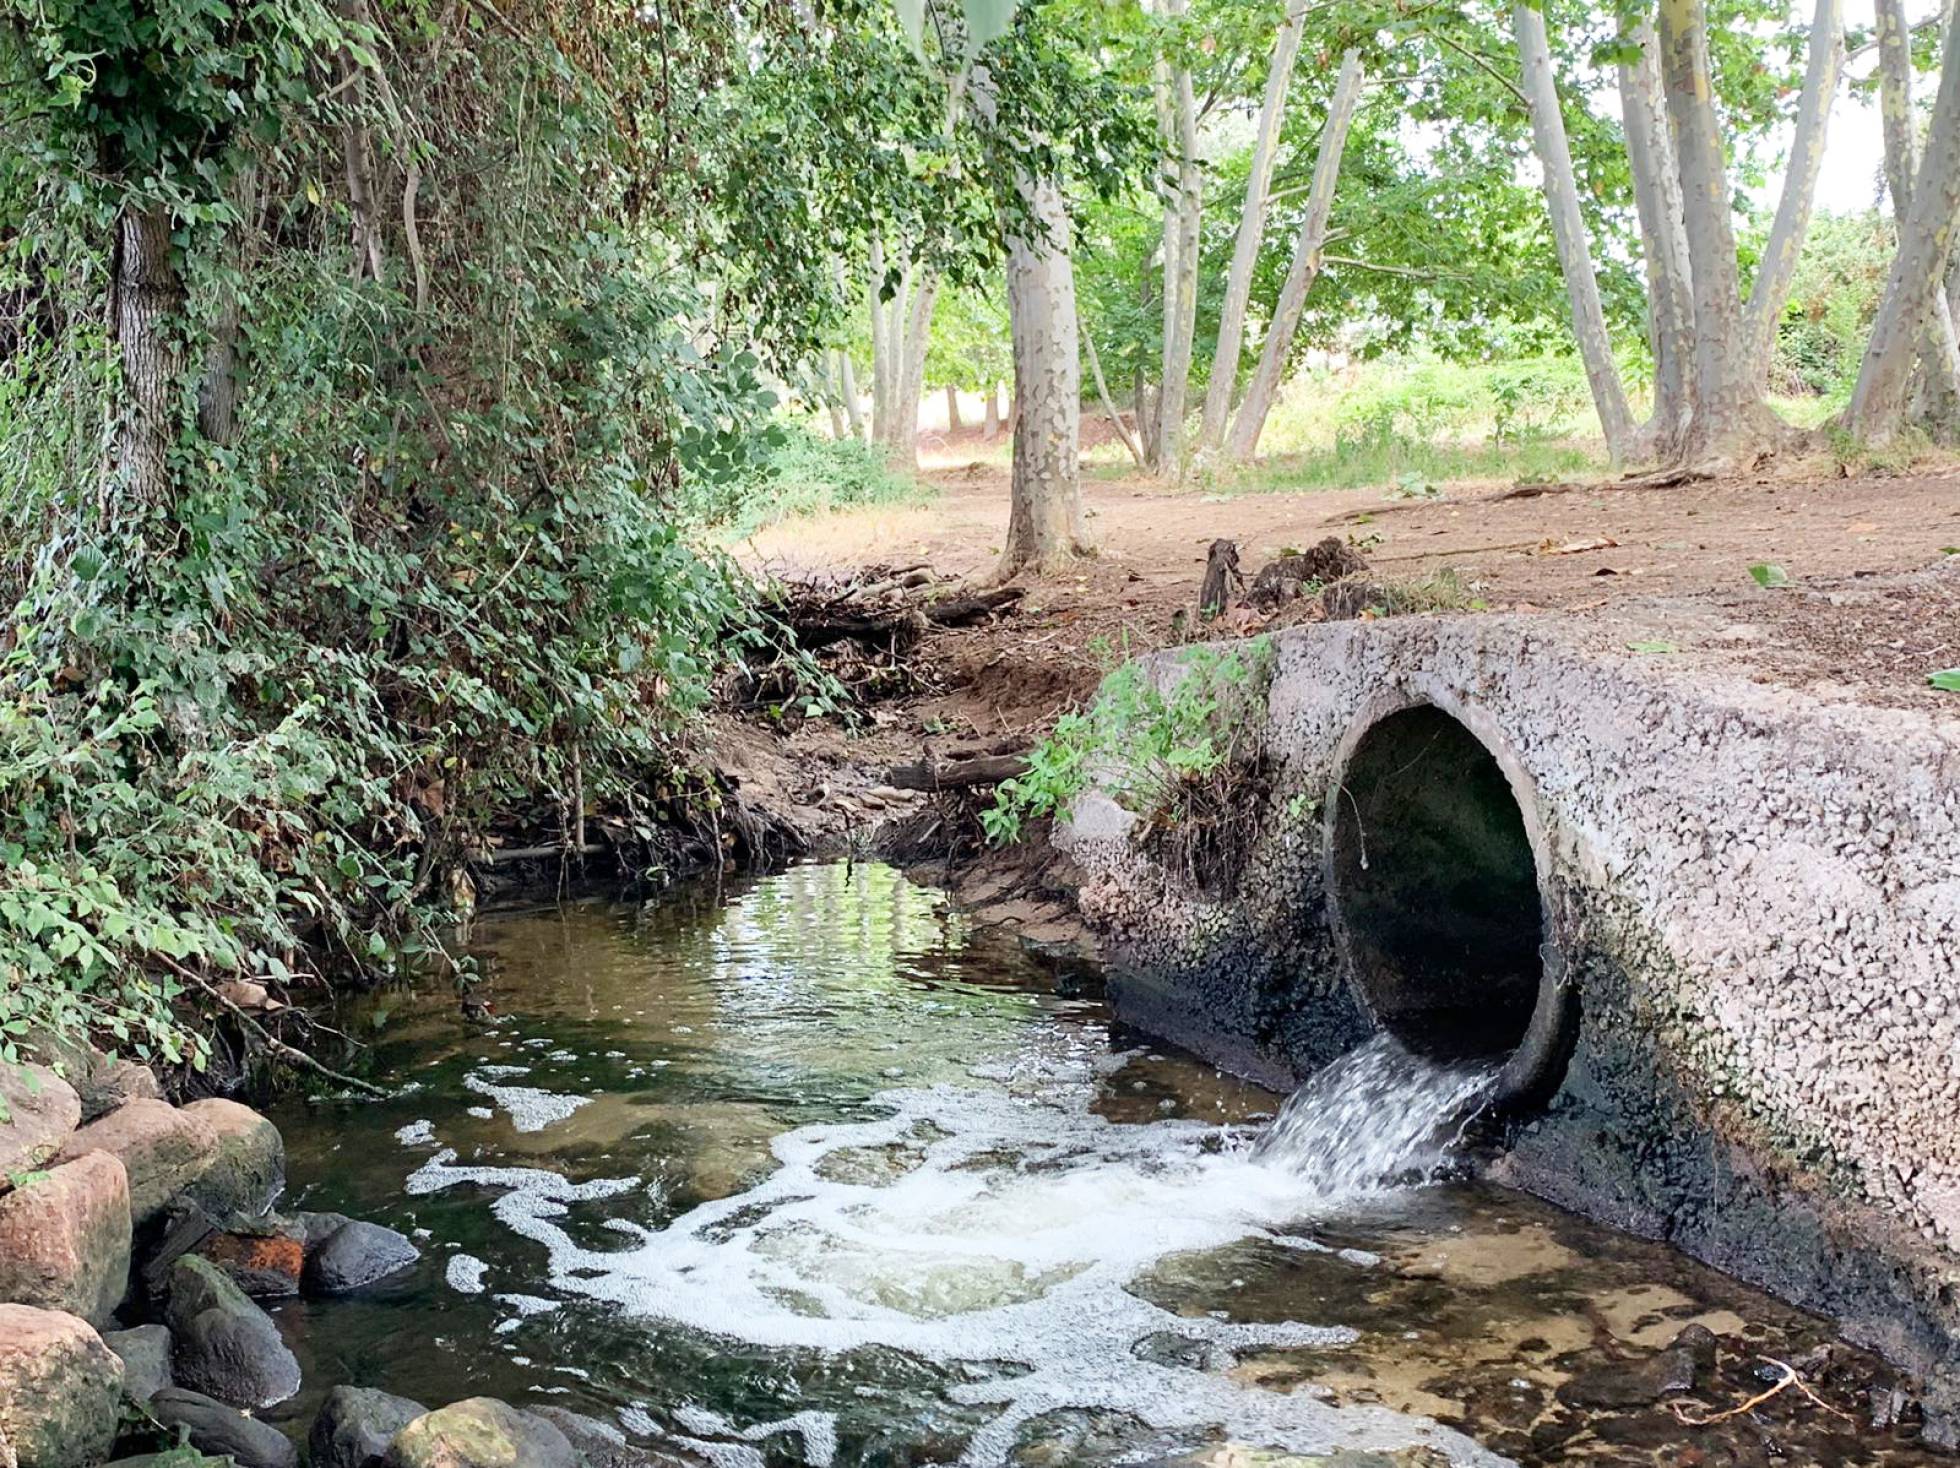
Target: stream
{"points": [[809, 1171]]}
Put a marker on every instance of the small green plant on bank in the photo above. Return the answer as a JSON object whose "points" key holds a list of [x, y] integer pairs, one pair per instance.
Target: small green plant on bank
{"points": [[1140, 743], [1769, 575]]}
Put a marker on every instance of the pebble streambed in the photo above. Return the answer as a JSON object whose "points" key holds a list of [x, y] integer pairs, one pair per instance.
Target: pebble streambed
{"points": [[808, 1171]]}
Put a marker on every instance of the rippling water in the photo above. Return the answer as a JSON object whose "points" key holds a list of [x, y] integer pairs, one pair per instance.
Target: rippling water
{"points": [[817, 1174]]}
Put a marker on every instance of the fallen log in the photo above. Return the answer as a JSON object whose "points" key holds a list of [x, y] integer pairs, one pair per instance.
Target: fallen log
{"points": [[958, 774], [965, 610], [826, 626]]}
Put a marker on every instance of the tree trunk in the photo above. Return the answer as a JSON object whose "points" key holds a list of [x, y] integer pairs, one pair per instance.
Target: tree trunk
{"points": [[1044, 527], [914, 335], [990, 425], [1266, 378], [1939, 353], [1569, 231], [1109, 408], [1918, 272], [217, 393], [953, 424], [847, 384], [833, 394], [882, 372], [148, 296], [847, 372], [1664, 237], [357, 159], [1725, 387], [1181, 246], [1780, 253], [1252, 224]]}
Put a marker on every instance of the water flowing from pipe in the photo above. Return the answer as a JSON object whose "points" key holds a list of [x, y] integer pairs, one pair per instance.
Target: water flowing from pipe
{"points": [[1378, 1118]]}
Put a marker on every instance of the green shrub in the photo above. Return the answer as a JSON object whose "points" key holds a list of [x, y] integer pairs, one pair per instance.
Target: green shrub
{"points": [[1143, 745], [1840, 277], [798, 472]]}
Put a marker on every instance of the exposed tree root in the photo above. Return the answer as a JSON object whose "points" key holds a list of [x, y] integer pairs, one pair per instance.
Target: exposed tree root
{"points": [[273, 1044]]}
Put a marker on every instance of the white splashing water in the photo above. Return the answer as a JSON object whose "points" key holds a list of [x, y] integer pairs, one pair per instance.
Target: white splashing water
{"points": [[1015, 1239], [1377, 1118]]}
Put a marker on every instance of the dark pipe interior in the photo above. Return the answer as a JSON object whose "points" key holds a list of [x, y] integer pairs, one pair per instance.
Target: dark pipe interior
{"points": [[1434, 876]]}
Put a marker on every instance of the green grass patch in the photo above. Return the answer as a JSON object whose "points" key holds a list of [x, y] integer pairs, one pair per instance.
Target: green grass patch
{"points": [[807, 474]]}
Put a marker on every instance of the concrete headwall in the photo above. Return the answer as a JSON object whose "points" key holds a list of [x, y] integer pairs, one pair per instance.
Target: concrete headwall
{"points": [[1752, 890]]}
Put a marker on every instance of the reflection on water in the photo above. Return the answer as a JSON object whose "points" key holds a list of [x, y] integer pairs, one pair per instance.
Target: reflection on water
{"points": [[819, 1175]]}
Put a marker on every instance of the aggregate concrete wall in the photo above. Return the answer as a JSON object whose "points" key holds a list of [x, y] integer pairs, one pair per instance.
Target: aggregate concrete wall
{"points": [[1751, 888]]}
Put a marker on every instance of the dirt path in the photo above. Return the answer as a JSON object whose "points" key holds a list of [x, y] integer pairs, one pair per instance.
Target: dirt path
{"points": [[1575, 550]]}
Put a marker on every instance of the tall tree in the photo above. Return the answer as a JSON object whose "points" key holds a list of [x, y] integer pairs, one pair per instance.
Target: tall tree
{"points": [[1569, 229], [1045, 526], [1252, 226], [1778, 267], [1938, 372], [1305, 267], [1917, 279], [1664, 246], [1182, 222]]}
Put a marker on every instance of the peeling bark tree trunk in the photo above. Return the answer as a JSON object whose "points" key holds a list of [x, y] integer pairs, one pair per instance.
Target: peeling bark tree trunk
{"points": [[1664, 237], [847, 384], [1726, 396], [833, 393], [1569, 231], [1939, 354], [1252, 224], [1182, 221], [1780, 253], [148, 298], [1300, 275], [1044, 526], [881, 362], [913, 334], [847, 373], [1918, 271]]}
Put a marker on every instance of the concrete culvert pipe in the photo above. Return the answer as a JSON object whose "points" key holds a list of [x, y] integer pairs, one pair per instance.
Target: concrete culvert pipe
{"points": [[1437, 910]]}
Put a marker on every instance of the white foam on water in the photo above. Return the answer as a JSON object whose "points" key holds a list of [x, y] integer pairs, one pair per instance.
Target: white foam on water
{"points": [[416, 1134], [531, 1110], [465, 1274], [818, 1430], [1376, 1119], [1014, 1241]]}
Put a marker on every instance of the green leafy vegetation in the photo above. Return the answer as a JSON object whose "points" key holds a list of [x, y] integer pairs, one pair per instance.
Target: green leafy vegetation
{"points": [[800, 473], [1403, 424], [1144, 745]]}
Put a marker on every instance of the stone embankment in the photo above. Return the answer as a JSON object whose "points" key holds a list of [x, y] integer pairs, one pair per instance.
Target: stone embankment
{"points": [[137, 1239]]}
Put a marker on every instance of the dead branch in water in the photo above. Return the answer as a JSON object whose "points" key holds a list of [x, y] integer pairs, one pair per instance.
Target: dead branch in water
{"points": [[1790, 1379]]}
